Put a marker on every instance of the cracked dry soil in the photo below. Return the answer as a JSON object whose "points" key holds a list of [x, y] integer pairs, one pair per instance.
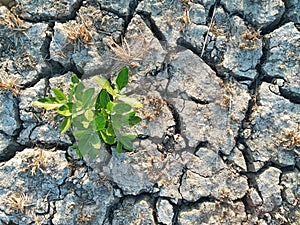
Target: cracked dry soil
{"points": [[220, 138]]}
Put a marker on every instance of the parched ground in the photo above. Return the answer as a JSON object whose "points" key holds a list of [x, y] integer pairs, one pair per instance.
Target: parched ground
{"points": [[220, 138]]}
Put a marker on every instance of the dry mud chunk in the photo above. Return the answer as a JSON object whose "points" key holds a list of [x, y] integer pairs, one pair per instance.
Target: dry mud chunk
{"points": [[8, 114], [79, 41], [209, 111], [157, 117], [168, 178], [61, 82], [46, 10], [233, 47], [76, 208], [243, 51], [293, 10], [213, 213], [133, 211], [275, 129], [192, 79], [268, 185], [197, 14], [253, 198], [44, 133], [9, 125], [22, 48], [229, 185], [237, 157], [206, 162], [194, 186], [34, 179], [49, 135], [181, 23], [135, 169], [204, 109], [259, 13], [28, 96], [6, 147], [140, 49], [290, 183], [165, 211], [206, 177], [122, 7], [143, 169], [87, 194], [290, 193], [283, 58], [28, 114]]}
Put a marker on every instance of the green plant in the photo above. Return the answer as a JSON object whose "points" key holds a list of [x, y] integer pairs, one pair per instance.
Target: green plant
{"points": [[96, 119]]}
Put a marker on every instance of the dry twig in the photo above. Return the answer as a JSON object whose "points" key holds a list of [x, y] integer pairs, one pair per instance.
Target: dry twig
{"points": [[78, 33], [37, 162], [15, 25], [129, 53], [209, 28], [18, 202], [10, 84]]}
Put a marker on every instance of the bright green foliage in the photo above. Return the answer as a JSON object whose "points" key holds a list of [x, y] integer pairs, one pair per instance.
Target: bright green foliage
{"points": [[122, 79], [95, 119]]}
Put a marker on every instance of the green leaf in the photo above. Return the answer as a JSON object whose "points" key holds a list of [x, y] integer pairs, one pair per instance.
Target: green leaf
{"points": [[49, 100], [47, 103], [88, 98], [85, 124], [134, 120], [88, 94], [79, 92], [89, 142], [73, 86], [79, 133], [65, 124], [103, 83], [120, 108], [102, 112], [119, 147], [65, 110], [131, 115], [77, 122], [126, 141], [107, 138], [110, 131], [77, 108], [122, 79], [89, 115], [118, 121], [74, 79], [84, 121], [100, 123], [59, 95], [102, 99], [110, 106], [130, 101]]}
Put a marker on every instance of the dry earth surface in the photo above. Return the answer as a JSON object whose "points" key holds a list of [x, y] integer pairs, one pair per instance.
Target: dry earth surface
{"points": [[220, 138]]}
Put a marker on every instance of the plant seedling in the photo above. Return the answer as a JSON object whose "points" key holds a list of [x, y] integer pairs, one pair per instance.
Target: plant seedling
{"points": [[96, 118]]}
